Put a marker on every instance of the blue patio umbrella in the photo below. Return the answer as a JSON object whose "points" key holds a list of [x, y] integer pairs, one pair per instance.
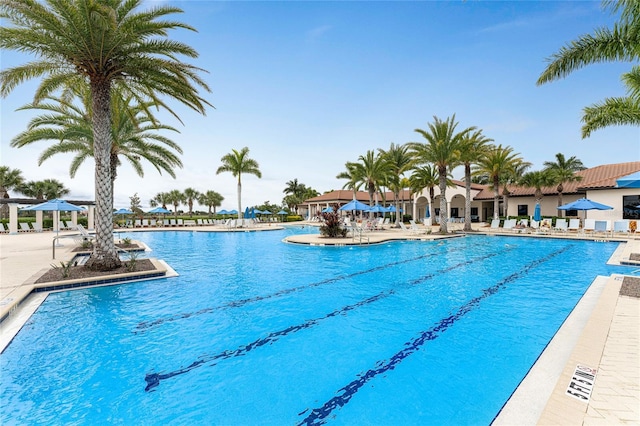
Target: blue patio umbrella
{"points": [[55, 205], [266, 212], [282, 212], [223, 212], [585, 204], [327, 210], [427, 212], [122, 212], [246, 212], [233, 212], [392, 209], [159, 210], [355, 205], [378, 209], [536, 213]]}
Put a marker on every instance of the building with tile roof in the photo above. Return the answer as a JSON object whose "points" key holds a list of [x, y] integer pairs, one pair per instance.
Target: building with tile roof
{"points": [[603, 184]]}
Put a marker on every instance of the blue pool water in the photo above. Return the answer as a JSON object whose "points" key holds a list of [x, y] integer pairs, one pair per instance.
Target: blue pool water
{"points": [[255, 331]]}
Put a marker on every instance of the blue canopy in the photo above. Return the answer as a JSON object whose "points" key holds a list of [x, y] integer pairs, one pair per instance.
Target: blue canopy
{"points": [[282, 212], [233, 212], [392, 209], [159, 210], [585, 204], [123, 211], [327, 210], [536, 213], [223, 212], [55, 205], [355, 205], [266, 212], [629, 181], [378, 209]]}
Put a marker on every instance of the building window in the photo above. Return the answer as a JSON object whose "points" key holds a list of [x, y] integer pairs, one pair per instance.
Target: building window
{"points": [[523, 210], [630, 207], [454, 212]]}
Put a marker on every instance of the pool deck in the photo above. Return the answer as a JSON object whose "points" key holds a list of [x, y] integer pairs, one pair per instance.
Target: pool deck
{"points": [[602, 332]]}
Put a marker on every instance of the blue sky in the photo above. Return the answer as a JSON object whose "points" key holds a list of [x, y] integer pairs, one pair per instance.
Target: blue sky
{"points": [[308, 86]]}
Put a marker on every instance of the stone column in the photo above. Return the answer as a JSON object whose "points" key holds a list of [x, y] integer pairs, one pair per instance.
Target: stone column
{"points": [[39, 214], [13, 218], [90, 217], [74, 217]]}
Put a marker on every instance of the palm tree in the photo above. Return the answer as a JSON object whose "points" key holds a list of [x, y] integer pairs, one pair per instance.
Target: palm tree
{"points": [[537, 179], [294, 191], [442, 148], [619, 43], [398, 161], [69, 125], [161, 199], [107, 44], [353, 180], [499, 161], [563, 171], [370, 171], [237, 163], [190, 195], [511, 176], [44, 189], [10, 179], [176, 198], [474, 146], [211, 199], [615, 111], [426, 177]]}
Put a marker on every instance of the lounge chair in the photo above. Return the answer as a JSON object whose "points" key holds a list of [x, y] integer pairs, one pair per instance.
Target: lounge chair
{"points": [[199, 222], [37, 227], [509, 224], [535, 226], [574, 225], [145, 223], [172, 222], [180, 222], [3, 228], [601, 227], [415, 229], [561, 225], [589, 226], [545, 226], [621, 226], [24, 227], [495, 224], [138, 223]]}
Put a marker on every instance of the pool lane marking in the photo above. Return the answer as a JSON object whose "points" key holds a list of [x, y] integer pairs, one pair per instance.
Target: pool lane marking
{"points": [[153, 379], [344, 394], [144, 325]]}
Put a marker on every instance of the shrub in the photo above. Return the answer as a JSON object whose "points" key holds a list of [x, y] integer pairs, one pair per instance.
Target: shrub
{"points": [[332, 226]]}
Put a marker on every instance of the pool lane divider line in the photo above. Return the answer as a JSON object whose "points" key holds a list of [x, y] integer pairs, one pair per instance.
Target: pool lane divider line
{"points": [[142, 326], [319, 416], [153, 379]]}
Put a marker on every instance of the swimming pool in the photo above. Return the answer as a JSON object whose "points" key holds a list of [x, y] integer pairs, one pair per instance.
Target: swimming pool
{"points": [[255, 331]]}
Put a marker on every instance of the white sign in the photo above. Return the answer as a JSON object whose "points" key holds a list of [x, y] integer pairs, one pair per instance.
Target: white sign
{"points": [[582, 382]]}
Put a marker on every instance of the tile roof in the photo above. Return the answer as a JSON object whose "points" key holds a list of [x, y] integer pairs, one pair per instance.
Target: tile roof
{"points": [[600, 177], [346, 195]]}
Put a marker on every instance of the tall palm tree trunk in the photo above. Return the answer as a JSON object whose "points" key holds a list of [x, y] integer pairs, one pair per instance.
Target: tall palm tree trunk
{"points": [[467, 200], [496, 198], [239, 198], [560, 189], [442, 178], [104, 256]]}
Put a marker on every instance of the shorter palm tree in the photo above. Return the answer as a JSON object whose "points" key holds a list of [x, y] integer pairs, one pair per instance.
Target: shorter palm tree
{"points": [[176, 198], [211, 199], [161, 199], [10, 179], [237, 163], [190, 195], [47, 189], [562, 171]]}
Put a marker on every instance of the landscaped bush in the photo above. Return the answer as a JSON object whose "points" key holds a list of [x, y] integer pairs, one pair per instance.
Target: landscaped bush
{"points": [[331, 226]]}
